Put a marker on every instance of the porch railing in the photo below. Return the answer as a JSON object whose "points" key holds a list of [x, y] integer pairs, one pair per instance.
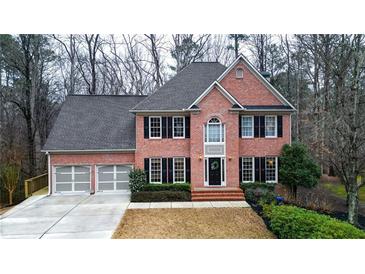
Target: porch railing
{"points": [[34, 184]]}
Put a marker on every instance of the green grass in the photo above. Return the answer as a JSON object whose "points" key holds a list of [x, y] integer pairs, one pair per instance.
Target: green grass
{"points": [[339, 190]]}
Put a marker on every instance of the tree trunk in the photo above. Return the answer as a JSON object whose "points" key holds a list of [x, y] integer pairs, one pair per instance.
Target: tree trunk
{"points": [[10, 197], [353, 203]]}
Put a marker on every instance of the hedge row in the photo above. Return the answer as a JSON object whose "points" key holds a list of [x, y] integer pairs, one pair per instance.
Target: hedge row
{"points": [[160, 196], [166, 187], [290, 222], [268, 186]]}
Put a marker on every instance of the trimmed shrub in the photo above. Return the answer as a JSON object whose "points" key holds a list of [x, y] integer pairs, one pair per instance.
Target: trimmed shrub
{"points": [[160, 196], [137, 179], [166, 187], [290, 222], [259, 192], [267, 186]]}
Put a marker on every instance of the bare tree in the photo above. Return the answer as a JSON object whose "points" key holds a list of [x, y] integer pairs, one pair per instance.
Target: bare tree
{"points": [[188, 48]]}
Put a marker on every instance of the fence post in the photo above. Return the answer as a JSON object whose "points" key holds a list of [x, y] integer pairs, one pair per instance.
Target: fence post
{"points": [[26, 188]]}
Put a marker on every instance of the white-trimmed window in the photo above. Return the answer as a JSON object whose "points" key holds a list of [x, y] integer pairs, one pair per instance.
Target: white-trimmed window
{"points": [[271, 169], [239, 73], [248, 169], [178, 126], [270, 126], [155, 127], [214, 132], [179, 170], [247, 126], [155, 171]]}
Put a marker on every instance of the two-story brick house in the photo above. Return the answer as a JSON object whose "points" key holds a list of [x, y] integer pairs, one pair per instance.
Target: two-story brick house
{"points": [[210, 125]]}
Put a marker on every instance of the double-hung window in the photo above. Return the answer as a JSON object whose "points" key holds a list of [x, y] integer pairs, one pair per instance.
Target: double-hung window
{"points": [[270, 126], [248, 169], [178, 126], [155, 127], [247, 126], [271, 169], [155, 171], [179, 170]]}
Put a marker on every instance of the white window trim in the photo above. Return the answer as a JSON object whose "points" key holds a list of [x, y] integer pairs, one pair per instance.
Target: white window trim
{"points": [[239, 76], [173, 170], [221, 130], [252, 127], [173, 128], [149, 127], [253, 170], [160, 182], [276, 126], [276, 170]]}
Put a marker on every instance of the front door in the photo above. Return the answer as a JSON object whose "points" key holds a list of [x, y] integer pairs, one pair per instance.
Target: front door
{"points": [[214, 171]]}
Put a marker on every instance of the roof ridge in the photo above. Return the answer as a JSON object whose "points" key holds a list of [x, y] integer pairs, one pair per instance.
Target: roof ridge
{"points": [[105, 95]]}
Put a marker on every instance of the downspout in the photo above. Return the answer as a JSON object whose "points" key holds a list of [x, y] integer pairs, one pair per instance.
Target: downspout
{"points": [[49, 173]]}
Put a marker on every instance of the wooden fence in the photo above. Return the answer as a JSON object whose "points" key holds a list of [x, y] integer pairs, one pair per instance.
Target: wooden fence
{"points": [[34, 184]]}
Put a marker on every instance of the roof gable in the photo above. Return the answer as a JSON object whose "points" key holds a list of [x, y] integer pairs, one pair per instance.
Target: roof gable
{"points": [[221, 89], [180, 91], [258, 78]]}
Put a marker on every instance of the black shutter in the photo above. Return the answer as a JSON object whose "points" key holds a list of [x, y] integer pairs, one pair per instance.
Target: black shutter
{"points": [[147, 168], [239, 126], [187, 170], [262, 126], [240, 169], [187, 127], [169, 127], [280, 125], [146, 127], [278, 168], [257, 169], [170, 167], [263, 164], [164, 170], [164, 127], [256, 126]]}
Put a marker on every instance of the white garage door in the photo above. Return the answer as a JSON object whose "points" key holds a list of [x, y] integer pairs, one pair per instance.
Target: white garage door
{"points": [[72, 179], [113, 178]]}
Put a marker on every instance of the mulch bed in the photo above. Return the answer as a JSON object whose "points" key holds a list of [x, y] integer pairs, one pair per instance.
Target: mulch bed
{"points": [[192, 223]]}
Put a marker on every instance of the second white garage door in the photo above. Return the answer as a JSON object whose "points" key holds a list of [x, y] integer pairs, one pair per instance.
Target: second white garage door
{"points": [[113, 178]]}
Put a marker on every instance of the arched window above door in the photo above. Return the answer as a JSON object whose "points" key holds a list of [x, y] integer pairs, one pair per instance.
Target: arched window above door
{"points": [[214, 131]]}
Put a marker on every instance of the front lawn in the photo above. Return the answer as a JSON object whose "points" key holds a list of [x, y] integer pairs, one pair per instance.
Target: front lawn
{"points": [[339, 190], [192, 223]]}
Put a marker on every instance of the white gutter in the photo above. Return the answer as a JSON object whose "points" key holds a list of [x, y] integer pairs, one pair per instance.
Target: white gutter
{"points": [[162, 111], [49, 173]]}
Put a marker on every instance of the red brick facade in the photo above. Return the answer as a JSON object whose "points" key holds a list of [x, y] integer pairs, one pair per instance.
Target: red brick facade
{"points": [[248, 91]]}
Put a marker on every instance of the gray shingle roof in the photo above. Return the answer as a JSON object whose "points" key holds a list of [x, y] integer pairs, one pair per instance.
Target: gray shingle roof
{"points": [[94, 122], [182, 90]]}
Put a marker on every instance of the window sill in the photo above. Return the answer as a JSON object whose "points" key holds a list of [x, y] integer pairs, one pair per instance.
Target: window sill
{"points": [[247, 137]]}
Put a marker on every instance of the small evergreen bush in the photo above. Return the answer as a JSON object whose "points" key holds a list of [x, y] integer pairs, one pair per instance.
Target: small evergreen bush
{"points": [[137, 179]]}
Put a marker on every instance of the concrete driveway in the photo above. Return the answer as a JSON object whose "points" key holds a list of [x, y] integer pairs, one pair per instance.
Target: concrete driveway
{"points": [[64, 217]]}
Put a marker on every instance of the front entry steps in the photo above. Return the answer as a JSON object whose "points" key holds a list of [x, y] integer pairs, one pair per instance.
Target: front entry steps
{"points": [[217, 194]]}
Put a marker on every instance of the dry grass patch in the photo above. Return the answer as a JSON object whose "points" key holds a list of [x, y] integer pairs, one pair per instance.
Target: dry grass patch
{"points": [[192, 223]]}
